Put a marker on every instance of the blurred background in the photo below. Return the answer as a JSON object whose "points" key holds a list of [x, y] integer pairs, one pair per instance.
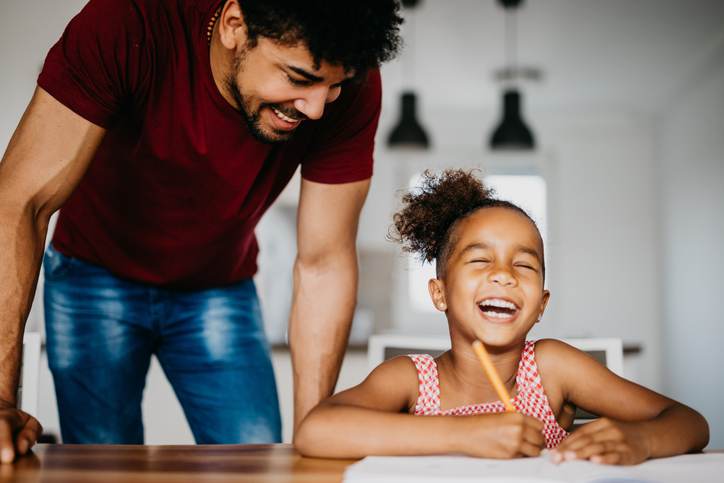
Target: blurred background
{"points": [[618, 153]]}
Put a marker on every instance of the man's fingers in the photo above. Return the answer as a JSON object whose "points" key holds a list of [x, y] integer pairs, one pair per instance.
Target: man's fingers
{"points": [[12, 420], [7, 451], [27, 436]]}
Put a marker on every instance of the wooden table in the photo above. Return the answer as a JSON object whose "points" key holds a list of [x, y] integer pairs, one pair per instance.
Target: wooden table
{"points": [[169, 464], [203, 463]]}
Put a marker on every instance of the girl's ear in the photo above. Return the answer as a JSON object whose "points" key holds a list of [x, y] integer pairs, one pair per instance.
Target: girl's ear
{"points": [[543, 304], [436, 287]]}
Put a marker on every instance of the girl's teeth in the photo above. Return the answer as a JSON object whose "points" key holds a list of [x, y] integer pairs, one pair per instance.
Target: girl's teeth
{"points": [[497, 315]]}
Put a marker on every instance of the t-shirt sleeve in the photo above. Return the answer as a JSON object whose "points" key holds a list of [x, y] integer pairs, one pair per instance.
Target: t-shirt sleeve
{"points": [[342, 151], [99, 62]]}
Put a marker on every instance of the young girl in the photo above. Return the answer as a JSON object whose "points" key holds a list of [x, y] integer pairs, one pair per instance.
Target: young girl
{"points": [[490, 285]]}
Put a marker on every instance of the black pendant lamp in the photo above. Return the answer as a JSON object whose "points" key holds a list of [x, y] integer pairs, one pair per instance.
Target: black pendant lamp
{"points": [[408, 133], [512, 133]]}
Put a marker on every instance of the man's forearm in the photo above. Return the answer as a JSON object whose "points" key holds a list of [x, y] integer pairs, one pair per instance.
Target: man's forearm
{"points": [[45, 159], [21, 248], [322, 310]]}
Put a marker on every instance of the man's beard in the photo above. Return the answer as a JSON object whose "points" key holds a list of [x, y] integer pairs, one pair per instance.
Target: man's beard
{"points": [[253, 117]]}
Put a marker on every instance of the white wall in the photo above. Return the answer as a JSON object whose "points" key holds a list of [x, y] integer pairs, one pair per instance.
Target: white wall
{"points": [[691, 164]]}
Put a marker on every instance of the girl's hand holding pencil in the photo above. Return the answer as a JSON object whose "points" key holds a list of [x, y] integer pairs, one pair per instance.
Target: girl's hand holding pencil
{"points": [[501, 435], [513, 434]]}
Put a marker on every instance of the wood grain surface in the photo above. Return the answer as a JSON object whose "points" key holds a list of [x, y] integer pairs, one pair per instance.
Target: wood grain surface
{"points": [[202, 463]]}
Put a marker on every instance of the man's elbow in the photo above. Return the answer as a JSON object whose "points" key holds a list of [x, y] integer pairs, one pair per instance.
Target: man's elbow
{"points": [[325, 261]]}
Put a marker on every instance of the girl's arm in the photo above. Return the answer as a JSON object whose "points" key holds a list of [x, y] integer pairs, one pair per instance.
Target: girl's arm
{"points": [[636, 423], [373, 419]]}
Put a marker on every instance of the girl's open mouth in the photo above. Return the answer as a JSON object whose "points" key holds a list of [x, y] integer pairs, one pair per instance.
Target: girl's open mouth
{"points": [[498, 309]]}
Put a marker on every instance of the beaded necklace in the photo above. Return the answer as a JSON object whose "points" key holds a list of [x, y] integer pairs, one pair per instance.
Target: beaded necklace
{"points": [[212, 22]]}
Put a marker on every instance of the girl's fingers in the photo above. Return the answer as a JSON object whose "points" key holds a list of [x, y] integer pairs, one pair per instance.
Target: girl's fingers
{"points": [[528, 449], [607, 433], [599, 449], [534, 437], [613, 458], [575, 444]]}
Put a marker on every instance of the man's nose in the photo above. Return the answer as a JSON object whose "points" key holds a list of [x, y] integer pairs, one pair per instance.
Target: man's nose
{"points": [[312, 105]]}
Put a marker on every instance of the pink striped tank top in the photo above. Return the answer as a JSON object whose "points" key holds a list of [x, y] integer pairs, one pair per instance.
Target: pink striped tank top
{"points": [[531, 400]]}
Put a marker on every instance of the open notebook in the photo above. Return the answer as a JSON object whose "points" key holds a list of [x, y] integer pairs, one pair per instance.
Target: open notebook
{"points": [[704, 468]]}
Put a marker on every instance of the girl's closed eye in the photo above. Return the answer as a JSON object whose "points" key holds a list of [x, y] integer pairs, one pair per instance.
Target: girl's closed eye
{"points": [[526, 266]]}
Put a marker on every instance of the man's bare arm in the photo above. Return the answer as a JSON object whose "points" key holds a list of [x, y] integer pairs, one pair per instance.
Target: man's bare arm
{"points": [[47, 156], [325, 287]]}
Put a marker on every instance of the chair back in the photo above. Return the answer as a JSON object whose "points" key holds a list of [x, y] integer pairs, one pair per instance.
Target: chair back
{"points": [[29, 374]]}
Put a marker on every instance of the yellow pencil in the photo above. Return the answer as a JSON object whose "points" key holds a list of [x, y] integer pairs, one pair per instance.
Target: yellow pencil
{"points": [[492, 374]]}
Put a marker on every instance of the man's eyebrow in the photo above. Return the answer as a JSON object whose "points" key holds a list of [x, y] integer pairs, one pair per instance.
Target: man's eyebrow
{"points": [[307, 75]]}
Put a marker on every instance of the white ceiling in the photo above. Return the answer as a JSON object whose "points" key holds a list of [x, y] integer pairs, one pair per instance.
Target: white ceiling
{"points": [[595, 54]]}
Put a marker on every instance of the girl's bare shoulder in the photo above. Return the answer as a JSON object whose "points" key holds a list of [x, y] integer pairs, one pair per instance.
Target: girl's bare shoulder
{"points": [[391, 386]]}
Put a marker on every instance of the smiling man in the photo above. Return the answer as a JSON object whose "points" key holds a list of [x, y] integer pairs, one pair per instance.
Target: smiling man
{"points": [[165, 129]]}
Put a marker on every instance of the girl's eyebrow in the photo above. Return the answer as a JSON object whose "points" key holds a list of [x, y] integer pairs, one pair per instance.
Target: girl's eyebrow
{"points": [[518, 248], [475, 246], [528, 250]]}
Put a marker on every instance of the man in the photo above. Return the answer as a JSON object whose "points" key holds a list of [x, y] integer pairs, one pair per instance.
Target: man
{"points": [[165, 129]]}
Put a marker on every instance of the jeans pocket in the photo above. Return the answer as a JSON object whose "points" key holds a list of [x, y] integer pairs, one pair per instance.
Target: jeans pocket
{"points": [[55, 264]]}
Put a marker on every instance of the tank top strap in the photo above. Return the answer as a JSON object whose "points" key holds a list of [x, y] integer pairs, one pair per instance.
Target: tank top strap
{"points": [[528, 379], [428, 399]]}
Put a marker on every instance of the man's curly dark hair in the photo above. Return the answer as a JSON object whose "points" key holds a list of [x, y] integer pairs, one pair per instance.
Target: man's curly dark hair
{"points": [[357, 35], [429, 214]]}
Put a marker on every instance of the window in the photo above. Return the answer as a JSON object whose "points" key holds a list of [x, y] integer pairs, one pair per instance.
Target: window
{"points": [[526, 190]]}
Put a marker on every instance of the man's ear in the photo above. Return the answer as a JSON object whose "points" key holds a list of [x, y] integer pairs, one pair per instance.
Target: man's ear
{"points": [[232, 29], [436, 287], [543, 304]]}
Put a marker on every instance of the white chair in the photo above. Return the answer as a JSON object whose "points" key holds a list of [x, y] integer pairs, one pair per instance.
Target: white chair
{"points": [[607, 351], [29, 374]]}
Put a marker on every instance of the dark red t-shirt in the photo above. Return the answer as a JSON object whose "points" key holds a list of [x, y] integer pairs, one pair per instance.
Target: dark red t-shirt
{"points": [[178, 184]]}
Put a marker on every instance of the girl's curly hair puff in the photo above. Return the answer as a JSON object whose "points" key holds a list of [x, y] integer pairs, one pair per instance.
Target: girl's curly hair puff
{"points": [[425, 223]]}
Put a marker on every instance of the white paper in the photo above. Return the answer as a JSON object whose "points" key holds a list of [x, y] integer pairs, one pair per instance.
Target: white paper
{"points": [[700, 468]]}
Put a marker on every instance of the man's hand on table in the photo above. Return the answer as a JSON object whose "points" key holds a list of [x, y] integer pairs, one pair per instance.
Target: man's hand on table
{"points": [[18, 432]]}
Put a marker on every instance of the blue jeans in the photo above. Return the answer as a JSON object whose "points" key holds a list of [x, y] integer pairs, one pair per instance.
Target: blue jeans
{"points": [[101, 332]]}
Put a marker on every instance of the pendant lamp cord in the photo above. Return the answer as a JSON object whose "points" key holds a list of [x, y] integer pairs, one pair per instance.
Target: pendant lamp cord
{"points": [[511, 46]]}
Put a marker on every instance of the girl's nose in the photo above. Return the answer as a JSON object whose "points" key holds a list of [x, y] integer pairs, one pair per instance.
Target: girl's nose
{"points": [[502, 276]]}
